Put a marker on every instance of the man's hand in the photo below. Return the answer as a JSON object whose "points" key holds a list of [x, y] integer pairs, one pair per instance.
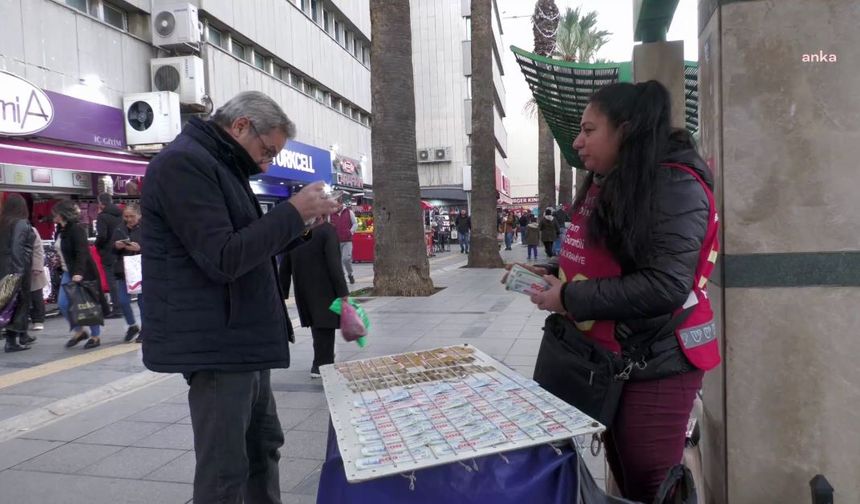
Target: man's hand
{"points": [[133, 247], [550, 299], [119, 245], [77, 279], [537, 270], [313, 202]]}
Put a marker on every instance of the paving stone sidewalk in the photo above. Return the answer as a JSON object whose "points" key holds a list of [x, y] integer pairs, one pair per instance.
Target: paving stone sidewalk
{"points": [[138, 448]]}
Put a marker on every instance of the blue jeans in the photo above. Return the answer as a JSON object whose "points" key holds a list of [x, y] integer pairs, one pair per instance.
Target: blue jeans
{"points": [[63, 305], [556, 246], [509, 239], [533, 251], [464, 242], [523, 234], [125, 302]]}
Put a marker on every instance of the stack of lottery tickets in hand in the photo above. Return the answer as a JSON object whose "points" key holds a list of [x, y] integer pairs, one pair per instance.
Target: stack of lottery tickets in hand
{"points": [[524, 281]]}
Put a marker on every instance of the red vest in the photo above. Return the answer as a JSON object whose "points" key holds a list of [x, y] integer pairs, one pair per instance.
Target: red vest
{"points": [[343, 224], [580, 260]]}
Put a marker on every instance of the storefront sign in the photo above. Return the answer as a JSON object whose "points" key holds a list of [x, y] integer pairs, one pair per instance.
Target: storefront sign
{"points": [[24, 108], [23, 176], [301, 162], [528, 200], [84, 122], [347, 173], [40, 175]]}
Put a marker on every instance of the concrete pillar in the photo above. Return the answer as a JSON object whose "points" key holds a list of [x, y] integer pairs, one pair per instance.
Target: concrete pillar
{"points": [[780, 127], [663, 62]]}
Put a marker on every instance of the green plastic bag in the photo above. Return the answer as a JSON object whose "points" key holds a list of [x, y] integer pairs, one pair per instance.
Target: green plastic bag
{"points": [[337, 307]]}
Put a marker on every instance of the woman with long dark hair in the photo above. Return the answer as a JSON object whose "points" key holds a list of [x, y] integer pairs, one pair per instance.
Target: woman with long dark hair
{"points": [[632, 273], [78, 266], [16, 257]]}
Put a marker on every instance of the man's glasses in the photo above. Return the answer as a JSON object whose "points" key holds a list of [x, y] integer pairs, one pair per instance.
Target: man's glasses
{"points": [[268, 152]]}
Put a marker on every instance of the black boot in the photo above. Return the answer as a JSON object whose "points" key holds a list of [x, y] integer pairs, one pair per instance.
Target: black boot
{"points": [[12, 344], [26, 339]]}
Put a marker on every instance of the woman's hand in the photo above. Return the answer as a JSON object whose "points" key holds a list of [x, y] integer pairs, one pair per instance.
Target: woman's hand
{"points": [[77, 279], [537, 270], [132, 247], [550, 299]]}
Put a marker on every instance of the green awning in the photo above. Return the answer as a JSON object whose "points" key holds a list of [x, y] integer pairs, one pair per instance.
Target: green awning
{"points": [[562, 89]]}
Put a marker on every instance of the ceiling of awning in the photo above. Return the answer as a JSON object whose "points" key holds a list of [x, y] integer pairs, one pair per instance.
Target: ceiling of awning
{"points": [[562, 89]]}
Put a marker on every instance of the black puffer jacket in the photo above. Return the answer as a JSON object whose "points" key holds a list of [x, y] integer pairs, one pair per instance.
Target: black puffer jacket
{"points": [[16, 249], [106, 224], [643, 298], [213, 301]]}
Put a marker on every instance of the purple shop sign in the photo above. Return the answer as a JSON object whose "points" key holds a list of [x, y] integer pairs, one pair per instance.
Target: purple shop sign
{"points": [[85, 122]]}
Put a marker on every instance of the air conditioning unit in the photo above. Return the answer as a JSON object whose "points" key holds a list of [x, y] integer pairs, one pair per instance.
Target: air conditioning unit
{"points": [[425, 156], [182, 75], [441, 154], [175, 25], [151, 118]]}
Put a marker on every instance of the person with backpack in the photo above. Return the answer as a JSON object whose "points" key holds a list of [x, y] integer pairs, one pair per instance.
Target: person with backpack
{"points": [[631, 277]]}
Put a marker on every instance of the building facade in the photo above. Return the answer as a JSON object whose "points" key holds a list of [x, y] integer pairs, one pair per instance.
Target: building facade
{"points": [[441, 59], [311, 56]]}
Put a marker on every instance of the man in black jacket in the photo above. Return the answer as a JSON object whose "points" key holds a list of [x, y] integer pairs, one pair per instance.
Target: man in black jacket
{"points": [[215, 310], [109, 218]]}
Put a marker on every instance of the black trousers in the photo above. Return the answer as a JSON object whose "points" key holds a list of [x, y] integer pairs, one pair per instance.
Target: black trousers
{"points": [[37, 307], [237, 435], [323, 346], [548, 248]]}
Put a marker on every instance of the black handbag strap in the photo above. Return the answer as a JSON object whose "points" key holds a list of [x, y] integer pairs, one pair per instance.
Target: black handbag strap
{"points": [[634, 347]]}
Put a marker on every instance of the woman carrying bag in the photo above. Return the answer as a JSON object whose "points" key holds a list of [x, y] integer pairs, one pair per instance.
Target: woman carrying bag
{"points": [[316, 268], [126, 242], [630, 291], [16, 258], [78, 268]]}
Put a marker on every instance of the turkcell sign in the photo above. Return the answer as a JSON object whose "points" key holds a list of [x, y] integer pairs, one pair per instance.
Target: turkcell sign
{"points": [[302, 163]]}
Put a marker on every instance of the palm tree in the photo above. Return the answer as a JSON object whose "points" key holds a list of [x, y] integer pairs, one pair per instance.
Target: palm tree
{"points": [[544, 26], [484, 249], [578, 41], [401, 267]]}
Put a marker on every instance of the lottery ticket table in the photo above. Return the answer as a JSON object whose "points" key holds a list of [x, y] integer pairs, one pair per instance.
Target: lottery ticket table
{"points": [[499, 472]]}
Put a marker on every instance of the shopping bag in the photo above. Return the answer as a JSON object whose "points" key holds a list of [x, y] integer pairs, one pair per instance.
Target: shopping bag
{"points": [[133, 273], [354, 321], [9, 287], [454, 235], [85, 308]]}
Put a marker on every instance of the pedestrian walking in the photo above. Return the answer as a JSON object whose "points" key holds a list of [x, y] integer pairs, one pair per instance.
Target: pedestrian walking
{"points": [[524, 221], [126, 243], [107, 221], [214, 309], [548, 231], [532, 239], [38, 281], [346, 225], [316, 269], [463, 222], [647, 204], [78, 266], [509, 226], [16, 258]]}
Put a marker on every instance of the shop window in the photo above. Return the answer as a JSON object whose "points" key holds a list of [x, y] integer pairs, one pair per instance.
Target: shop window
{"points": [[115, 17], [239, 50], [215, 37]]}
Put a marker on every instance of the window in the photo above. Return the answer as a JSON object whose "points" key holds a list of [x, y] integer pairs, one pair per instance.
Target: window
{"points": [[282, 73], [357, 51], [80, 5], [347, 40], [326, 21], [337, 36], [315, 11], [259, 61], [335, 103], [115, 16], [356, 114], [215, 37], [295, 80], [238, 50], [326, 98], [365, 55], [366, 119], [304, 5], [309, 88]]}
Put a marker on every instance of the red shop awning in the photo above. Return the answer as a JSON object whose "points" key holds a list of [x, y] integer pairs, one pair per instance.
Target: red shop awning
{"points": [[20, 152]]}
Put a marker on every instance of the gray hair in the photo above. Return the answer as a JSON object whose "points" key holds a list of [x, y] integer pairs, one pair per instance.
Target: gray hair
{"points": [[264, 112]]}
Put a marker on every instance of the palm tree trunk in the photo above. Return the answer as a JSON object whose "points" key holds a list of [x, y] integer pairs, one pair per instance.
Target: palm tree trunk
{"points": [[565, 182], [401, 267], [484, 250], [546, 165]]}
